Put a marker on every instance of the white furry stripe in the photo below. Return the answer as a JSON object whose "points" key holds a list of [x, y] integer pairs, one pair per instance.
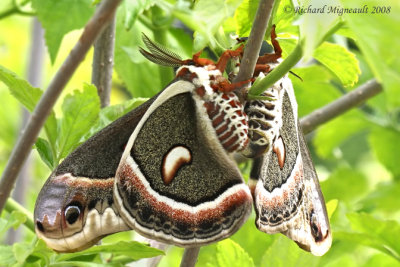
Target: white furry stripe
{"points": [[175, 205], [96, 226], [178, 207]]}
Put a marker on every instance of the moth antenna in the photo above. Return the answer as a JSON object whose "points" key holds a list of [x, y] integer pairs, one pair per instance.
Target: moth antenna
{"points": [[159, 54], [160, 60]]}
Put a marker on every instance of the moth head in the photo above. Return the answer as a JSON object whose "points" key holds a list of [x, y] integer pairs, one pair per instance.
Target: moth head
{"points": [[60, 214]]}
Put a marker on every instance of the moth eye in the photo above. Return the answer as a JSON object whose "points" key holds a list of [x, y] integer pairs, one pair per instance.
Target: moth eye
{"points": [[72, 212]]}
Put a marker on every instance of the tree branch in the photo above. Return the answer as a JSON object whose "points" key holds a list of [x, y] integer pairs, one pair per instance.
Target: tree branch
{"points": [[49, 97], [336, 108], [189, 257], [34, 76], [340, 105], [103, 62], [253, 45]]}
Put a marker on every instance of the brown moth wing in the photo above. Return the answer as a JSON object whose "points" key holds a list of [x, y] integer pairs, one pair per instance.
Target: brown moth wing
{"points": [[75, 208], [287, 195], [175, 182]]}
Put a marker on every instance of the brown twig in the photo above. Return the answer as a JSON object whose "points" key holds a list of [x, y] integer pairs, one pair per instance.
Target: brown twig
{"points": [[34, 76], [340, 105], [49, 97], [103, 62], [253, 46], [334, 109], [189, 257]]}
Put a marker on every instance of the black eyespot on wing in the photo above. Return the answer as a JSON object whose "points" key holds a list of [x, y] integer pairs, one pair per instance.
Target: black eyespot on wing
{"points": [[72, 212], [315, 229]]}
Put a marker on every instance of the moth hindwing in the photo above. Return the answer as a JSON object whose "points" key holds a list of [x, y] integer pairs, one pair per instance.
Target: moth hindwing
{"points": [[284, 183]]}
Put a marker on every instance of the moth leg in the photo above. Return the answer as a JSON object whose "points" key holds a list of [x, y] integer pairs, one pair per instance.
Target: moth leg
{"points": [[268, 58], [228, 54], [261, 68], [225, 86], [198, 61]]}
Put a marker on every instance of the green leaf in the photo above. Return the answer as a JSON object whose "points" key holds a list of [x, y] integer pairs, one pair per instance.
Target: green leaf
{"points": [[80, 112], [132, 249], [29, 96], [60, 17], [139, 75], [25, 93], [252, 240], [338, 184], [7, 256], [378, 39], [381, 260], [315, 81], [22, 251], [244, 17], [384, 198], [15, 219], [340, 61], [245, 14], [230, 254], [111, 113], [45, 152], [314, 26], [209, 16], [41, 251], [385, 143], [82, 264], [379, 234], [331, 206], [285, 253], [133, 9], [333, 133]]}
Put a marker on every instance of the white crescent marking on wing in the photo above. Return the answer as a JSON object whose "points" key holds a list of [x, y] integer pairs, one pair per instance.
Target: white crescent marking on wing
{"points": [[173, 160]]}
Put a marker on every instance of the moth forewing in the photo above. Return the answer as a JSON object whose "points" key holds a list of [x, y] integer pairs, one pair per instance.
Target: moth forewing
{"points": [[200, 196], [287, 196], [320, 239], [75, 208]]}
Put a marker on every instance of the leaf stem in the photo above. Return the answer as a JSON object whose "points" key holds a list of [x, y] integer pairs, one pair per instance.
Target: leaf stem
{"points": [[12, 205], [278, 72]]}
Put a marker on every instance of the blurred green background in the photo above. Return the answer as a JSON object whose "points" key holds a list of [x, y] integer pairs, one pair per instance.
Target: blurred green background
{"points": [[357, 155]]}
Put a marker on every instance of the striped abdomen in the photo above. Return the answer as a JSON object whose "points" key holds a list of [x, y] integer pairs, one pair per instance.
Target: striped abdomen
{"points": [[229, 120], [264, 118]]}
